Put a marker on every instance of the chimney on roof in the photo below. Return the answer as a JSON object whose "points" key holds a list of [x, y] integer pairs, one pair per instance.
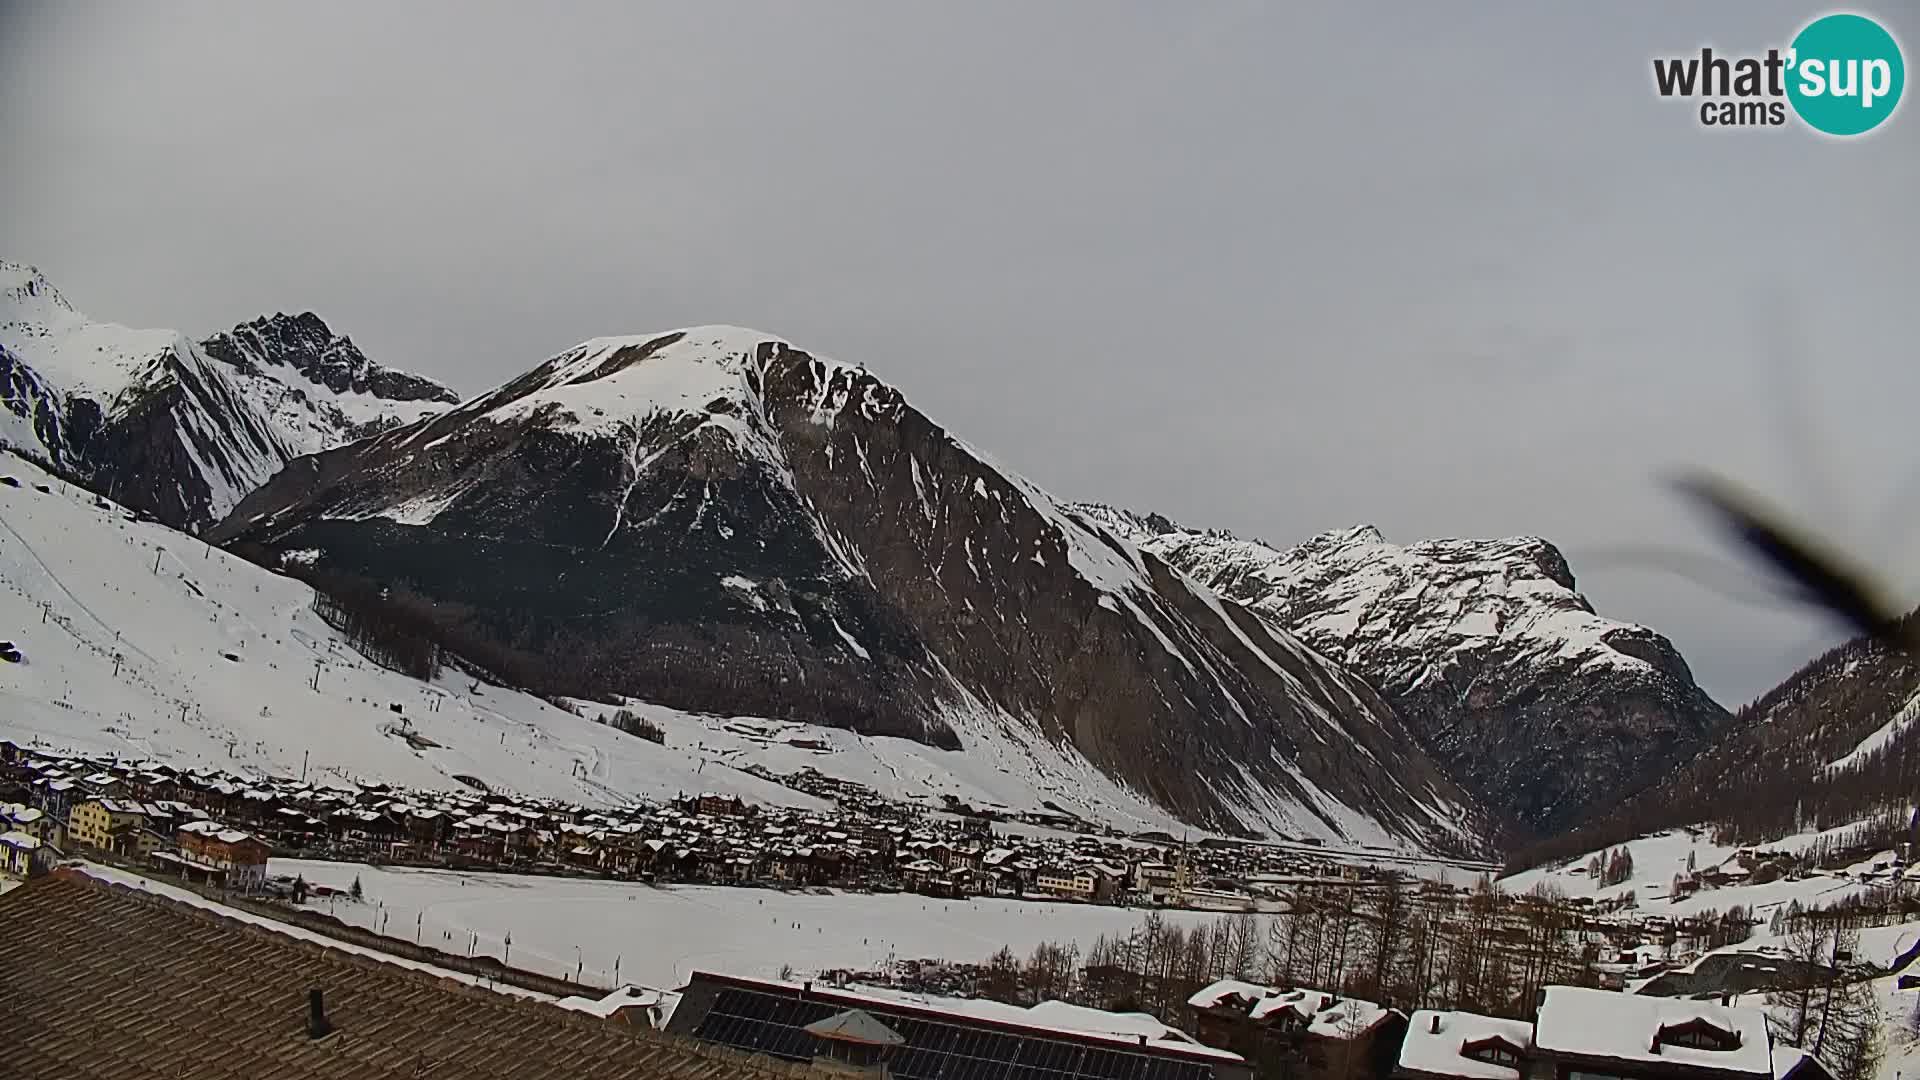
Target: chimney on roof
{"points": [[317, 1025], [1435, 1028], [1143, 1039]]}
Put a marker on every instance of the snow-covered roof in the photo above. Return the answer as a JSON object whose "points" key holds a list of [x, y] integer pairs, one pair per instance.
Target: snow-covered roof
{"points": [[1587, 1023], [1210, 996], [19, 840], [628, 996], [1326, 1014], [1438, 1052], [1347, 1018], [1788, 1058]]}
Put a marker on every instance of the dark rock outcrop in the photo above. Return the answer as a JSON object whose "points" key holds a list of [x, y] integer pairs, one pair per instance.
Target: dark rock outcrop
{"points": [[304, 344]]}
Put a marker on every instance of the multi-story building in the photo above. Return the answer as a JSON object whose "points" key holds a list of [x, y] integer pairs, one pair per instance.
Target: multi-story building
{"points": [[111, 825], [1309, 1034], [23, 856], [241, 856]]}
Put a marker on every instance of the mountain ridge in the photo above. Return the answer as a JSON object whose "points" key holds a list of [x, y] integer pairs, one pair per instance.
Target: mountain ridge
{"points": [[179, 429], [1530, 698]]}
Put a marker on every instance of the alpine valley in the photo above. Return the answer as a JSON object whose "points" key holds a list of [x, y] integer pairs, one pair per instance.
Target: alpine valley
{"points": [[714, 526]]}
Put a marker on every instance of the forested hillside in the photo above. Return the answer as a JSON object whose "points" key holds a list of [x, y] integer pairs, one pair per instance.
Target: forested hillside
{"points": [[1832, 745]]}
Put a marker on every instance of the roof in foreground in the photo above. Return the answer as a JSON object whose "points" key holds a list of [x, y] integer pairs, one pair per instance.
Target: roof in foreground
{"points": [[105, 981], [1436, 1038], [1578, 1022], [943, 1037]]}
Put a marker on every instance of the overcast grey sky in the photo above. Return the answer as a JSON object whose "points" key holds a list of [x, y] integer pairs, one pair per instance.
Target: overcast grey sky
{"points": [[1449, 269]]}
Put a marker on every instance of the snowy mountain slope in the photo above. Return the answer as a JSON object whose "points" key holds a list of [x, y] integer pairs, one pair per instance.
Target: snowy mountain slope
{"points": [[173, 429], [716, 521], [217, 662], [1532, 700]]}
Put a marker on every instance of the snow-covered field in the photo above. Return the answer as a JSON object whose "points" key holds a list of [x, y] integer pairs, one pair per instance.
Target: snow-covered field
{"points": [[142, 641], [659, 935]]}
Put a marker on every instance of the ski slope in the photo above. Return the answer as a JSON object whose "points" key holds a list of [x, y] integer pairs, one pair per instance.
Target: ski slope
{"points": [[143, 642]]}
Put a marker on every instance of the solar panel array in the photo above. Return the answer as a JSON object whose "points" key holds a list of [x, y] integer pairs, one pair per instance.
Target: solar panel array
{"points": [[772, 1024]]}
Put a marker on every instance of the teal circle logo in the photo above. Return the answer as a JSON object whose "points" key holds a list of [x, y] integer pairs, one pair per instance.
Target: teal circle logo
{"points": [[1845, 74]]}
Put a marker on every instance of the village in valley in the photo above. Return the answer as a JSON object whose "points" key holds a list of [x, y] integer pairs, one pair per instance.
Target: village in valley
{"points": [[1238, 958], [137, 809]]}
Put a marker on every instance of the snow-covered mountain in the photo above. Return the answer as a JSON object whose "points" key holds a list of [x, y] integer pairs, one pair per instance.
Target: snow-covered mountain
{"points": [[141, 641], [714, 520], [1532, 700], [174, 429]]}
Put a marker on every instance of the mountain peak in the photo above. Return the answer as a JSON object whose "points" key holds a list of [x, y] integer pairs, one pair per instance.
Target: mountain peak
{"points": [[1342, 540], [1131, 525], [715, 372], [23, 288], [307, 345]]}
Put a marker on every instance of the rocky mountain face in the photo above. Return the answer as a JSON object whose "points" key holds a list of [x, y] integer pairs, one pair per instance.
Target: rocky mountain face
{"points": [[322, 386], [1836, 744], [176, 429], [1484, 647], [715, 520]]}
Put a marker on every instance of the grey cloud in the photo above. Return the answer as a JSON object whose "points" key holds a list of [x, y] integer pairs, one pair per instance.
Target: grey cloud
{"points": [[1279, 268]]}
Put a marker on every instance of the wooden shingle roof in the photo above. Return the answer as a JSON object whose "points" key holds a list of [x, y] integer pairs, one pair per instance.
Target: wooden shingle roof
{"points": [[97, 980]]}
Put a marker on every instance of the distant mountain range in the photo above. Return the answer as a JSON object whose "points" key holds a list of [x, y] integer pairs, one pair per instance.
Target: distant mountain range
{"points": [[718, 521]]}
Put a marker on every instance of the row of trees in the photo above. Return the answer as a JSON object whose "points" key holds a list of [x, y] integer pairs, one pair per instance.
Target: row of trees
{"points": [[634, 724], [1837, 1018], [382, 631], [1487, 951], [1613, 868]]}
